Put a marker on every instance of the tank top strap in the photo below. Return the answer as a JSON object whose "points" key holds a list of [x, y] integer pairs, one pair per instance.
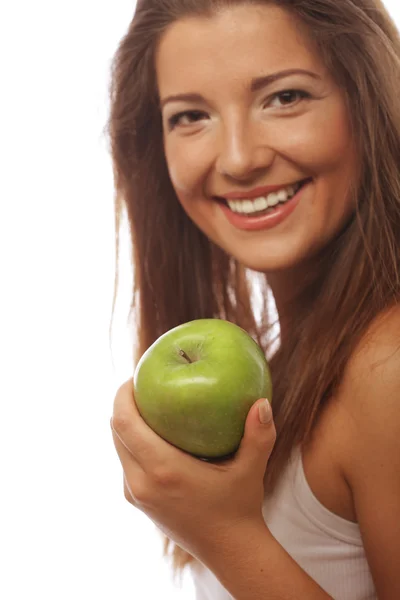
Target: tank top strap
{"points": [[314, 510]]}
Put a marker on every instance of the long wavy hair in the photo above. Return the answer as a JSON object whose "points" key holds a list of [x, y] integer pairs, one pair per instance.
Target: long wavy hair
{"points": [[180, 275]]}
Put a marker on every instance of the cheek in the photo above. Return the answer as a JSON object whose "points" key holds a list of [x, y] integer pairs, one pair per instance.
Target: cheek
{"points": [[319, 142], [189, 163], [186, 175]]}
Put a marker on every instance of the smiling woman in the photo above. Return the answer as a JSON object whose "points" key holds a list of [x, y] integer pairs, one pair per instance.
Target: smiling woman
{"points": [[261, 140], [246, 135]]}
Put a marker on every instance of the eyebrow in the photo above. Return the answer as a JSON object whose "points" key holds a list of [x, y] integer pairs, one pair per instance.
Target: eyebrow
{"points": [[255, 85]]}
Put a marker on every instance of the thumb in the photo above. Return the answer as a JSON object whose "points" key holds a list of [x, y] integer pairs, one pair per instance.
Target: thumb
{"points": [[259, 434]]}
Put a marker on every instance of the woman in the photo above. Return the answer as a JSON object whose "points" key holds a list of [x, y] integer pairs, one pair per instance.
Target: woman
{"points": [[263, 138]]}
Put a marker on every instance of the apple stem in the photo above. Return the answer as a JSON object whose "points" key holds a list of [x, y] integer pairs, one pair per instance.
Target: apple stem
{"points": [[185, 356]]}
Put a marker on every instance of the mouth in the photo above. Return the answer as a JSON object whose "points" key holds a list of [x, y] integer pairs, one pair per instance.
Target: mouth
{"points": [[263, 205]]}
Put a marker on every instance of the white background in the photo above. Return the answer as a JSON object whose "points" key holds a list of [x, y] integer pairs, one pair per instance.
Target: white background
{"points": [[66, 530]]}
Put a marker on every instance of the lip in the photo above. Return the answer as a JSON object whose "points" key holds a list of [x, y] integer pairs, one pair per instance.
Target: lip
{"points": [[264, 222], [257, 192]]}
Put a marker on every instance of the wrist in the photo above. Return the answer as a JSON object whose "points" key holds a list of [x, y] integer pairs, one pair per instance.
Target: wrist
{"points": [[251, 565], [234, 538]]}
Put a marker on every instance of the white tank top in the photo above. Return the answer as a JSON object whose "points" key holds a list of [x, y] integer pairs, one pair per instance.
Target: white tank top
{"points": [[326, 546]]}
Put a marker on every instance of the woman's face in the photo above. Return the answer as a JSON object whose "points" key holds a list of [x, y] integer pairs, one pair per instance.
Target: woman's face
{"points": [[236, 123]]}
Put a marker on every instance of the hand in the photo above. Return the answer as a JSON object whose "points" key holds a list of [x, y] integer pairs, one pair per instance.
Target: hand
{"points": [[193, 502]]}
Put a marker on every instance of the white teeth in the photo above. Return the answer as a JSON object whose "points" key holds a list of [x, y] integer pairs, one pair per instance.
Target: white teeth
{"points": [[274, 199], [282, 195], [260, 204], [246, 206]]}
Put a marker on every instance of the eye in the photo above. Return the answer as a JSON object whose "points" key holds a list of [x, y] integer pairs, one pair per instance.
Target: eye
{"points": [[288, 98], [185, 118]]}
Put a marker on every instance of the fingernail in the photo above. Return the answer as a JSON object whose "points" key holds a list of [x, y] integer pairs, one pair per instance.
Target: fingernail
{"points": [[265, 412]]}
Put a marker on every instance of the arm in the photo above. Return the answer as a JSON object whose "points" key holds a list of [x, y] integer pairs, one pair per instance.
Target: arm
{"points": [[252, 565], [372, 400]]}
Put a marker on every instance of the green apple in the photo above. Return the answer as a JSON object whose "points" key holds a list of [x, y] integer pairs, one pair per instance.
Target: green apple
{"points": [[196, 384]]}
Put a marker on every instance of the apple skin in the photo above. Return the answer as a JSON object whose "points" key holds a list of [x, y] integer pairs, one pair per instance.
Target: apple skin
{"points": [[201, 406]]}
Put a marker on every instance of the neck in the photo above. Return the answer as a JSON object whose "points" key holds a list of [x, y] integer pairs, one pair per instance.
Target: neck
{"points": [[289, 285]]}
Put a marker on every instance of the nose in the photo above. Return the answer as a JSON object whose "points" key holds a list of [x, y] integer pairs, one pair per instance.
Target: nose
{"points": [[242, 153]]}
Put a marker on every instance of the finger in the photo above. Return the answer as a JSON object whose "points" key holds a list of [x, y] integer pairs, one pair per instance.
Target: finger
{"points": [[145, 445], [133, 473], [128, 494], [258, 439], [142, 442]]}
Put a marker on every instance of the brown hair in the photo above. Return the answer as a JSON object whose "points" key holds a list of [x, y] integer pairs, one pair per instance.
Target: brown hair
{"points": [[180, 275]]}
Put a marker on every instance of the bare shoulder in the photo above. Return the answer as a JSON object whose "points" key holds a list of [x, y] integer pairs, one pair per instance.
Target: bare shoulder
{"points": [[379, 343], [370, 391], [371, 383], [370, 399]]}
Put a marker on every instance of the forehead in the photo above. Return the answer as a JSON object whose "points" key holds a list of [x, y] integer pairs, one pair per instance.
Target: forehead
{"points": [[236, 43]]}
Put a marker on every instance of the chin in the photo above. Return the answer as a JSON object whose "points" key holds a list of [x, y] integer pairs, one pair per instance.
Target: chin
{"points": [[267, 261], [264, 266]]}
